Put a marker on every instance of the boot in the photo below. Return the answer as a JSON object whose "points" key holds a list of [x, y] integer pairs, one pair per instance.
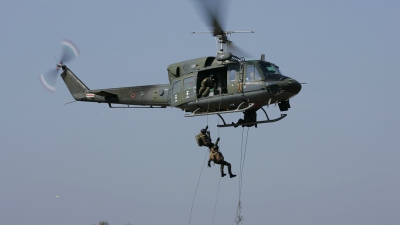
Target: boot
{"points": [[223, 174], [232, 175]]}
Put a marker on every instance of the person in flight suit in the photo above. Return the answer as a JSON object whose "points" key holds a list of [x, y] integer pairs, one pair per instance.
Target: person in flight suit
{"points": [[206, 85], [217, 157]]}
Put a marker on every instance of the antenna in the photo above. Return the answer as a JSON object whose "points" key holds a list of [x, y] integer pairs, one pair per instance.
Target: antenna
{"points": [[56, 59]]}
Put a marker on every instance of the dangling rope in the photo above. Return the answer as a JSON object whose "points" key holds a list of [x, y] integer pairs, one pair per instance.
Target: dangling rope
{"points": [[191, 210], [216, 200], [219, 110], [239, 217], [219, 183], [208, 108], [242, 162]]}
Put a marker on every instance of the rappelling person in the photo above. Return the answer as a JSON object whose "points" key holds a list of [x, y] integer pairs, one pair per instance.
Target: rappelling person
{"points": [[204, 138], [249, 116], [206, 85], [217, 157]]}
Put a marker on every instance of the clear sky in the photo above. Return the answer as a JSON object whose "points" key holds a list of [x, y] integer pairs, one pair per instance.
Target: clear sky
{"points": [[333, 160]]}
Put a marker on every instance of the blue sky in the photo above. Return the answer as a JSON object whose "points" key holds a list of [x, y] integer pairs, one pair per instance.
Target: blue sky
{"points": [[333, 160]]}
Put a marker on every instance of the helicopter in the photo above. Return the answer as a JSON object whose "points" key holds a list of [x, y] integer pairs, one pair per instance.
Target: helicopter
{"points": [[239, 85]]}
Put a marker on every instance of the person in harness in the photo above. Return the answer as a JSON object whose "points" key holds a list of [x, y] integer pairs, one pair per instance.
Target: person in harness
{"points": [[217, 157], [204, 138]]}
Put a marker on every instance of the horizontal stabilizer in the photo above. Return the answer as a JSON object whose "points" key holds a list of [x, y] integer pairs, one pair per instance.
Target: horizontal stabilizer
{"points": [[103, 93]]}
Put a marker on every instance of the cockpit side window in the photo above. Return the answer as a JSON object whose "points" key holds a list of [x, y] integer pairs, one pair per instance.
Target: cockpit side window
{"points": [[269, 69], [252, 74]]}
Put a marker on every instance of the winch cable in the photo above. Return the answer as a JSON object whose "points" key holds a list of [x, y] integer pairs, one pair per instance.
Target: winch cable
{"points": [[208, 108], [239, 217], [195, 192], [201, 172], [219, 183], [216, 200]]}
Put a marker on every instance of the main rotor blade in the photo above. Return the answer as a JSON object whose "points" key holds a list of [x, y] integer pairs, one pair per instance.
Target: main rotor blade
{"points": [[49, 80], [69, 51], [212, 12], [237, 51]]}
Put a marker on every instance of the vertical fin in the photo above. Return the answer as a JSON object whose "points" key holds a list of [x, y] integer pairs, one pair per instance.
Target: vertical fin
{"points": [[77, 88]]}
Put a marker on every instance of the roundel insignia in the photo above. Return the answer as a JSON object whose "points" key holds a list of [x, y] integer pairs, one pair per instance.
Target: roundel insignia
{"points": [[133, 95]]}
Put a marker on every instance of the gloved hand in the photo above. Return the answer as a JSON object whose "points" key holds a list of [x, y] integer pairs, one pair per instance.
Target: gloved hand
{"points": [[209, 165], [206, 127], [218, 139]]}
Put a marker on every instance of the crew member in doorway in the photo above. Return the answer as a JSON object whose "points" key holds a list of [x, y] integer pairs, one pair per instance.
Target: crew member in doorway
{"points": [[217, 157], [206, 85]]}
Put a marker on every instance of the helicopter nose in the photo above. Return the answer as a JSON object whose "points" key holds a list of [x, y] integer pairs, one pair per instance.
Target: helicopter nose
{"points": [[292, 86]]}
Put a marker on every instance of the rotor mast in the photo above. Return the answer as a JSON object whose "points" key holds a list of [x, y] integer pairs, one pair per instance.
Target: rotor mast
{"points": [[223, 39]]}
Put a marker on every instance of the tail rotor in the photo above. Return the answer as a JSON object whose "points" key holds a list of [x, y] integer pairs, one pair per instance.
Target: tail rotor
{"points": [[69, 51]]}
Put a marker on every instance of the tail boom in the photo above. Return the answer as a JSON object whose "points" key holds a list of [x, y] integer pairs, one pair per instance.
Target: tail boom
{"points": [[148, 95]]}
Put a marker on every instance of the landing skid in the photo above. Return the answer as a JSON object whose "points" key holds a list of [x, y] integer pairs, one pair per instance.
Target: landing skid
{"points": [[199, 112], [251, 123]]}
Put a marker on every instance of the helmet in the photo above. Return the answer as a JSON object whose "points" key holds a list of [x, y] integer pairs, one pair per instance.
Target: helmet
{"points": [[203, 131], [215, 147]]}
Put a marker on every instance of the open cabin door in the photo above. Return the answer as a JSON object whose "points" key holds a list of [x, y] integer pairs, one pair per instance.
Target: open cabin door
{"points": [[219, 79]]}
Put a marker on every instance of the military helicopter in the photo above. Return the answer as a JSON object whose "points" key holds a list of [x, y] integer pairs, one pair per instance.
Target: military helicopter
{"points": [[240, 85]]}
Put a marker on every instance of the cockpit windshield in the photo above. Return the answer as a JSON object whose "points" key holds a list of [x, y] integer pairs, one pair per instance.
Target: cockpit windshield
{"points": [[268, 68]]}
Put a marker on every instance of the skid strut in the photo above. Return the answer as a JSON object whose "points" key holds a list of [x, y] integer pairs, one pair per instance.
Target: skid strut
{"points": [[251, 123], [198, 112]]}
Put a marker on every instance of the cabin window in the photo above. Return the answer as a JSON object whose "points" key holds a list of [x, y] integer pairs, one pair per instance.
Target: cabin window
{"points": [[252, 73], [176, 88], [232, 75], [188, 83]]}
